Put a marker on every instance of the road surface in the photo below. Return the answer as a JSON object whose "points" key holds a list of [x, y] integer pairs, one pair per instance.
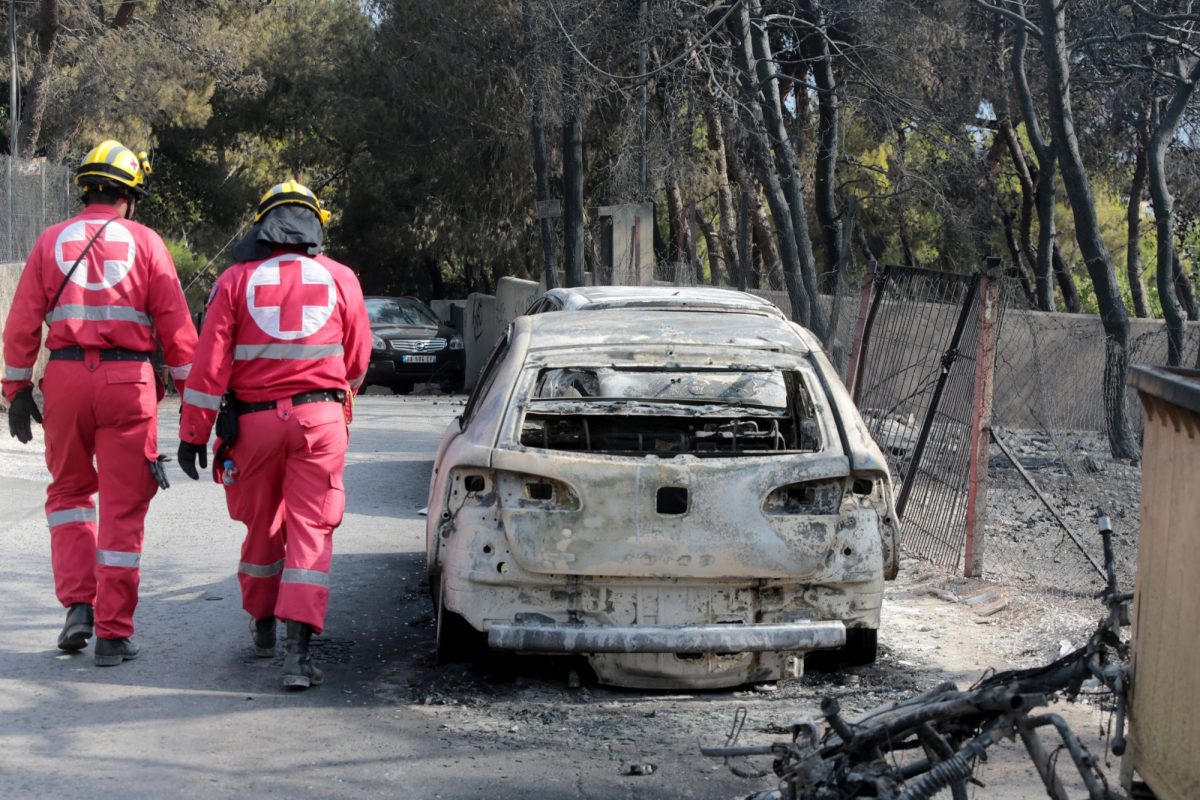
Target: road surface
{"points": [[196, 715]]}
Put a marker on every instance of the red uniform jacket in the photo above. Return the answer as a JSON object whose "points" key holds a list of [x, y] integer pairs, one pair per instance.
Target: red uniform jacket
{"points": [[123, 294], [276, 328]]}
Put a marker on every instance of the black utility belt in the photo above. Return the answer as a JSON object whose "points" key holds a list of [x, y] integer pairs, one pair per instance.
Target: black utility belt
{"points": [[77, 353], [319, 396]]}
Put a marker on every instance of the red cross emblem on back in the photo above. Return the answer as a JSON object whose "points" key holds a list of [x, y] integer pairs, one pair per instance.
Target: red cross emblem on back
{"points": [[92, 266], [108, 260], [290, 296]]}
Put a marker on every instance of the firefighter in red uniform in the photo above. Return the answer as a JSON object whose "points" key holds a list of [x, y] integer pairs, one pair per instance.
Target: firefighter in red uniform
{"points": [[107, 288], [286, 335]]}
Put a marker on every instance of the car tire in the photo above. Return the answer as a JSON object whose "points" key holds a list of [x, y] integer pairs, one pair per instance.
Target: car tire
{"points": [[456, 639], [402, 388]]}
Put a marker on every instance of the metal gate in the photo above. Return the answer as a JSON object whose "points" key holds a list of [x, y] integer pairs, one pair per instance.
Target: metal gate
{"points": [[916, 382]]}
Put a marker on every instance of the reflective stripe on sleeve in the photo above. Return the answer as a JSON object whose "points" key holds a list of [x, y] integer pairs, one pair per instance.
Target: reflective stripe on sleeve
{"points": [[118, 558], [17, 373], [260, 570], [201, 399], [56, 518], [357, 382], [249, 352], [99, 314], [309, 576], [181, 373]]}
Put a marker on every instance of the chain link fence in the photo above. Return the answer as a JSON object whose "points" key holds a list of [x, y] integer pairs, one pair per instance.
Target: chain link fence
{"points": [[35, 194]]}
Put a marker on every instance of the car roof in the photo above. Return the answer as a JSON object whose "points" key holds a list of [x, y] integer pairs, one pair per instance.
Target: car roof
{"points": [[625, 326], [665, 297]]}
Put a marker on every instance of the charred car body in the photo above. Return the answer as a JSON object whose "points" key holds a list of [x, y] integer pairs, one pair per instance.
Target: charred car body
{"points": [[688, 499]]}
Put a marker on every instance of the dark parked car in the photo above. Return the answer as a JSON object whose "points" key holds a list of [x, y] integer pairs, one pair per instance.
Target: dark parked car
{"points": [[410, 345]]}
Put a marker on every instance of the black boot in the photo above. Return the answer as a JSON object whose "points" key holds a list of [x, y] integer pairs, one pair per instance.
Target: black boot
{"points": [[298, 669], [262, 631], [111, 652], [78, 627]]}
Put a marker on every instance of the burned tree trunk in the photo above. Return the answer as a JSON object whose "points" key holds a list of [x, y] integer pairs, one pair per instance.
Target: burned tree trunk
{"points": [[759, 62], [727, 224], [1133, 223], [1049, 260], [710, 244], [1184, 288], [37, 93], [1044, 297], [572, 156], [538, 136], [760, 153], [1087, 229], [828, 122], [1164, 122]]}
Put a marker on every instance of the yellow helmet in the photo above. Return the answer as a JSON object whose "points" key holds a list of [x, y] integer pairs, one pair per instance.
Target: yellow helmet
{"points": [[112, 165], [290, 192]]}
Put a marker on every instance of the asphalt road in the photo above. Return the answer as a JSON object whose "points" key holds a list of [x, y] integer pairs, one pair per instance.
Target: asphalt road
{"points": [[196, 715]]}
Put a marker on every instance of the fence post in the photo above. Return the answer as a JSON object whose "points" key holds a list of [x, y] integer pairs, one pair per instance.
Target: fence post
{"points": [[981, 420], [866, 311]]}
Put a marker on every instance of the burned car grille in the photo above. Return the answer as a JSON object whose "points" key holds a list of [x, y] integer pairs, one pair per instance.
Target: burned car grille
{"points": [[418, 345]]}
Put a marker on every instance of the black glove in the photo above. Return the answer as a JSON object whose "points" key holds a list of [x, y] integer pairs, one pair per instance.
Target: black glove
{"points": [[23, 407], [188, 455]]}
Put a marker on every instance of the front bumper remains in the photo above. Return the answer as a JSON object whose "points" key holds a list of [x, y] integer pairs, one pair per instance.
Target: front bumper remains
{"points": [[720, 639]]}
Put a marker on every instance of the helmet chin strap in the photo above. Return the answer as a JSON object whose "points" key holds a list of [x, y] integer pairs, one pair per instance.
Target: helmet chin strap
{"points": [[130, 204]]}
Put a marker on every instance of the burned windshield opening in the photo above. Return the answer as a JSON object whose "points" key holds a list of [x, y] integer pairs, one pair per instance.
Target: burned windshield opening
{"points": [[666, 412]]}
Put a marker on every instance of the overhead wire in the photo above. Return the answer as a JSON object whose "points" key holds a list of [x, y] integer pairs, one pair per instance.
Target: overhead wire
{"points": [[200, 272], [645, 75]]}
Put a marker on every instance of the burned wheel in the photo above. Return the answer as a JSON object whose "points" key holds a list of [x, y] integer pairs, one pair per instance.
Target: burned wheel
{"points": [[456, 639]]}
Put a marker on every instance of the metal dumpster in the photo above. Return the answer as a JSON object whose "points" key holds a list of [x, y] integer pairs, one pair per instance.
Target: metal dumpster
{"points": [[1164, 722]]}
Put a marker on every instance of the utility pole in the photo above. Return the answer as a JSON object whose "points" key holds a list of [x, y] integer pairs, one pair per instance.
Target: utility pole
{"points": [[643, 58], [14, 118]]}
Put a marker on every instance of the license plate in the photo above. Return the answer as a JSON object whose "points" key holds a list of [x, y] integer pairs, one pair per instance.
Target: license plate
{"points": [[418, 359]]}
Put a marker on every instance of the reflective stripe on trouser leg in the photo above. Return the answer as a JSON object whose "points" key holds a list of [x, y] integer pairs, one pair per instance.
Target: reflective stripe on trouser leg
{"points": [[72, 554], [70, 425], [126, 432], [304, 591], [313, 500], [256, 499], [260, 585]]}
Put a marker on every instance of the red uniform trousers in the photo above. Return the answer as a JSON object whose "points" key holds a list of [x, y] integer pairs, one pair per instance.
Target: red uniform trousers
{"points": [[105, 410], [289, 494]]}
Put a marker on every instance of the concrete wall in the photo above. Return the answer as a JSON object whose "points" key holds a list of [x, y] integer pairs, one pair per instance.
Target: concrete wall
{"points": [[10, 273], [486, 316], [451, 311]]}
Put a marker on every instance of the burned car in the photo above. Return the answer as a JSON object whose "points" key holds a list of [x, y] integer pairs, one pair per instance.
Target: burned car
{"points": [[687, 499]]}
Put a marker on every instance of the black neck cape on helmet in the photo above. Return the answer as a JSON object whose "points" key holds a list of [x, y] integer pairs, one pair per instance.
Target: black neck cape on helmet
{"points": [[289, 226]]}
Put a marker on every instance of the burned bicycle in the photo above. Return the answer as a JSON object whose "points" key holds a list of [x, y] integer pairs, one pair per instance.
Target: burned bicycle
{"points": [[914, 748]]}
